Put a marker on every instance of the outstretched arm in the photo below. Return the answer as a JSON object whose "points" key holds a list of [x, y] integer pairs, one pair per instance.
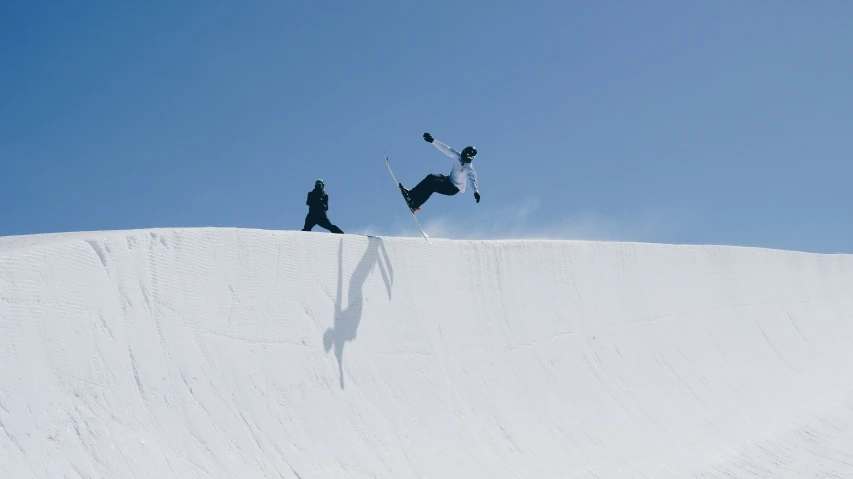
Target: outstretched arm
{"points": [[446, 149], [442, 147]]}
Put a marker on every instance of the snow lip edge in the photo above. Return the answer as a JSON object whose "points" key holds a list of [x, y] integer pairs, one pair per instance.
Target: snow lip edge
{"points": [[17, 243]]}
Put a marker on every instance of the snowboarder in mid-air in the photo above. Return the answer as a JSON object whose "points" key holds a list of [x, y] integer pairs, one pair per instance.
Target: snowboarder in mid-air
{"points": [[318, 205], [462, 173]]}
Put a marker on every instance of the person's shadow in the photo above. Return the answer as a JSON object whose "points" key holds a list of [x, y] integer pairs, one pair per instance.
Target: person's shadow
{"points": [[347, 320]]}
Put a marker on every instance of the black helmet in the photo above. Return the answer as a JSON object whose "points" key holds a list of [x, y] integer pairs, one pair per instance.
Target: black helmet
{"points": [[469, 152]]}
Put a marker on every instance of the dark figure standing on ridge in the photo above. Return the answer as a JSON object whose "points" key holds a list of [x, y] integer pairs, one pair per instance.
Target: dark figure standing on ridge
{"points": [[318, 204]]}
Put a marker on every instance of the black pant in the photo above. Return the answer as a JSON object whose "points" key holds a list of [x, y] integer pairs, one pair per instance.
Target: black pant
{"points": [[320, 219], [440, 184]]}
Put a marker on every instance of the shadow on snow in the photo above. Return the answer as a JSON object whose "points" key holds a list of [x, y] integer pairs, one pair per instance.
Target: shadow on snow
{"points": [[347, 319]]}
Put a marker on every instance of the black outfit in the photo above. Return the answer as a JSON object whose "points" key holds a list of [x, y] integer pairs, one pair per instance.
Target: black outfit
{"points": [[433, 183], [318, 204]]}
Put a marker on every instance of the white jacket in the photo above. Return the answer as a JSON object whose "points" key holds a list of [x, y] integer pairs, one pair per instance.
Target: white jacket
{"points": [[462, 173]]}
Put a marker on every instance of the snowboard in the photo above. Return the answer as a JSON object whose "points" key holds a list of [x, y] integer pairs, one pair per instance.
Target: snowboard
{"points": [[397, 185]]}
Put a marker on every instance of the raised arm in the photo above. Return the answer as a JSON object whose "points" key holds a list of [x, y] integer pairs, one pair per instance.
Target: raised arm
{"points": [[442, 147], [446, 149]]}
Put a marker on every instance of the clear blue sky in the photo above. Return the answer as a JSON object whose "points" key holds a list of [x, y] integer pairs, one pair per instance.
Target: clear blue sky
{"points": [[728, 122]]}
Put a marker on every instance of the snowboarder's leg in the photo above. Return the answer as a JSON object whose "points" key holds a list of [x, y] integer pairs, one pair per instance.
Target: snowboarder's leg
{"points": [[309, 222], [433, 183], [446, 186], [325, 223]]}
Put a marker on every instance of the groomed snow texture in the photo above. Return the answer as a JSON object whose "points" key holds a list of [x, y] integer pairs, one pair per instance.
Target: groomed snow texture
{"points": [[224, 353]]}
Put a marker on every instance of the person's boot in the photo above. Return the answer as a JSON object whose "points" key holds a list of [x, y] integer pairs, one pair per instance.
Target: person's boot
{"points": [[408, 199]]}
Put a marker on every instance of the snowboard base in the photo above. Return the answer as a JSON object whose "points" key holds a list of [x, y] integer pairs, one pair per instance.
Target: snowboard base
{"points": [[397, 183]]}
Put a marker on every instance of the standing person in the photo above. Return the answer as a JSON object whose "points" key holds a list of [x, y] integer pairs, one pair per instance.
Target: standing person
{"points": [[461, 174], [318, 205]]}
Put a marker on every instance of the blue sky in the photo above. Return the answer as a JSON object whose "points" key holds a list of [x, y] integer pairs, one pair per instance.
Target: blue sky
{"points": [[724, 122]]}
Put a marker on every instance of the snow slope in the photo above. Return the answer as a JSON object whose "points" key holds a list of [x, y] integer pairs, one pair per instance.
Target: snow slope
{"points": [[245, 353]]}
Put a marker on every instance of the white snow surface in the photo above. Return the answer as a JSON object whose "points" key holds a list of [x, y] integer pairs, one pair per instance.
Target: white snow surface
{"points": [[208, 353]]}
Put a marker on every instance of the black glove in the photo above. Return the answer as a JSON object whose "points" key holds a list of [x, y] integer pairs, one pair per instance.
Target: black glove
{"points": [[428, 137], [477, 196]]}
